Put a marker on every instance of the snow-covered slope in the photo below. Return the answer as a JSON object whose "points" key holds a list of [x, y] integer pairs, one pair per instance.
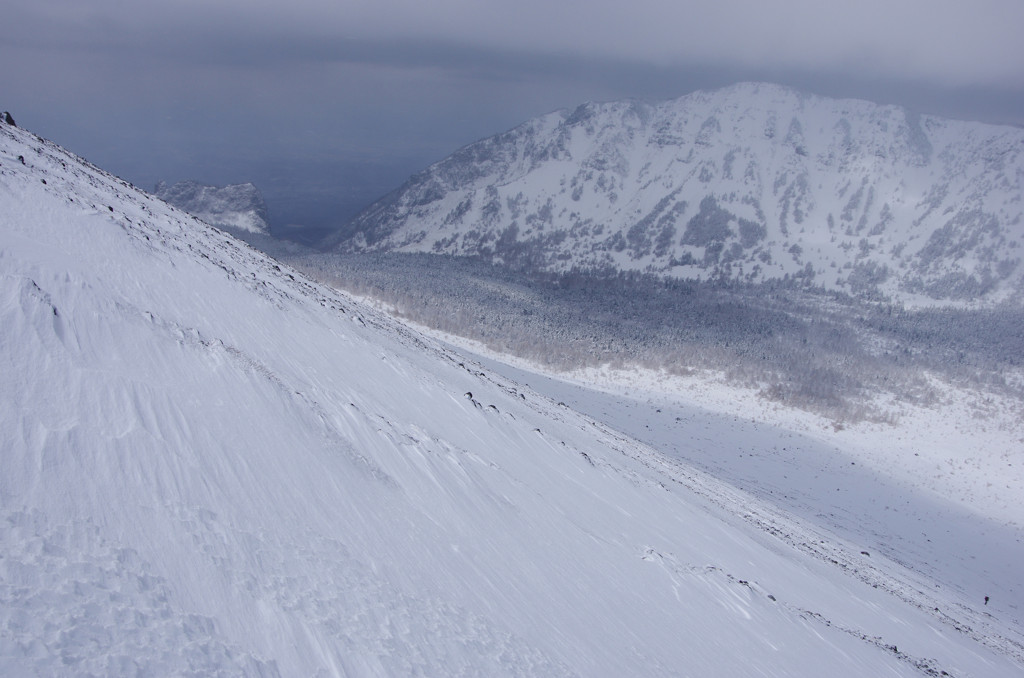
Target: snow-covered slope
{"points": [[237, 206], [210, 465], [754, 182]]}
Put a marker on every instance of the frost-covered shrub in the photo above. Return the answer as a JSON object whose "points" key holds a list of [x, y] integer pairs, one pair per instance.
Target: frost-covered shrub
{"points": [[818, 351], [866, 277], [751, 233], [709, 225]]}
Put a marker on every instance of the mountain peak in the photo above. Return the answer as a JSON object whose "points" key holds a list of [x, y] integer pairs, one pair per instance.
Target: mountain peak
{"points": [[753, 183]]}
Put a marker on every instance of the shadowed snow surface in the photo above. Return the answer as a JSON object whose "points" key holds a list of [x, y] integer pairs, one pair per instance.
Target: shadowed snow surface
{"points": [[209, 464]]}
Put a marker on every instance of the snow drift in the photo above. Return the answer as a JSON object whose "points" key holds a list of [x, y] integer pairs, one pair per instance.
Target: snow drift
{"points": [[211, 465]]}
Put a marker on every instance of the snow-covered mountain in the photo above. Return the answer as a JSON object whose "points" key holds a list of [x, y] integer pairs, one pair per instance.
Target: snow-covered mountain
{"points": [[754, 182], [210, 465], [237, 206]]}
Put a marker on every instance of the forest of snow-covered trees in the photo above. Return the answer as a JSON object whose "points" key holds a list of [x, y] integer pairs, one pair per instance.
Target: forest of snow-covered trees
{"points": [[819, 351]]}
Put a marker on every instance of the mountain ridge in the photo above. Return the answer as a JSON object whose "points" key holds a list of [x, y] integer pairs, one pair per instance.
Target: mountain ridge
{"points": [[239, 207], [754, 183]]}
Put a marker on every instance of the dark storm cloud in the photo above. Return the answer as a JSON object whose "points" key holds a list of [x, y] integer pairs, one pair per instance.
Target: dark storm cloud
{"points": [[941, 41], [333, 103]]}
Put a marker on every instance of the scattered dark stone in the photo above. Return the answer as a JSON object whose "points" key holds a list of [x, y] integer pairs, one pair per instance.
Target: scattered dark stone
{"points": [[21, 159]]}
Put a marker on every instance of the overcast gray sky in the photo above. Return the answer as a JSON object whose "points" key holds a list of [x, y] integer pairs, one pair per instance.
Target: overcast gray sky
{"points": [[327, 104]]}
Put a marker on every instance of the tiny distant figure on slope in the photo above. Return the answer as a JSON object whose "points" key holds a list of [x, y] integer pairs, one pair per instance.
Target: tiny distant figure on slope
{"points": [[986, 600]]}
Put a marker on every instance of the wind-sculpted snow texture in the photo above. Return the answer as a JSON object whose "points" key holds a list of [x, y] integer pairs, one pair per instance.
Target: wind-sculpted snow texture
{"points": [[238, 207], [751, 183], [211, 466]]}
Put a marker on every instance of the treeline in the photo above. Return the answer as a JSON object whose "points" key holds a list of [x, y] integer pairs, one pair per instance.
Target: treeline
{"points": [[820, 351]]}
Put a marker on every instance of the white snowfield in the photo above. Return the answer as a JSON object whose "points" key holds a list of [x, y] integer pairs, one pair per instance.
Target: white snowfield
{"points": [[966, 448], [211, 466]]}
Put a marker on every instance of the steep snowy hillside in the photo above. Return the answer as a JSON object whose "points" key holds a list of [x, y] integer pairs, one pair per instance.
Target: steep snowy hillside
{"points": [[212, 466], [755, 182], [238, 206]]}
